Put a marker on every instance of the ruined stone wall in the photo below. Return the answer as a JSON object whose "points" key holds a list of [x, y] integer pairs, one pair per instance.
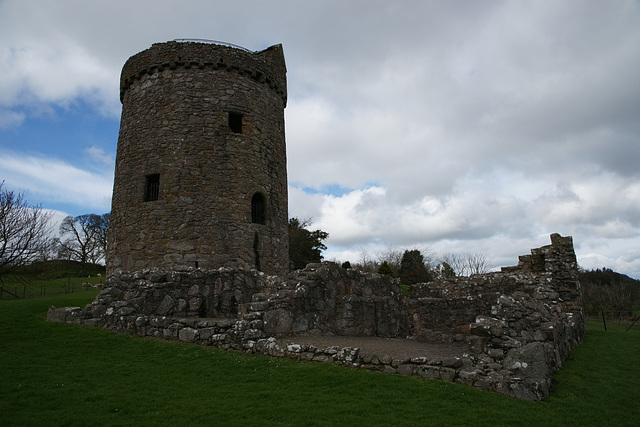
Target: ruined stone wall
{"points": [[327, 299], [186, 293], [322, 299], [179, 101], [519, 324], [548, 277]]}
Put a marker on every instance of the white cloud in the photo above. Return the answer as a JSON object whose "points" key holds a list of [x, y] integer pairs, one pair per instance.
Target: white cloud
{"points": [[56, 181], [491, 220], [56, 219], [97, 154], [9, 119], [464, 125], [37, 72]]}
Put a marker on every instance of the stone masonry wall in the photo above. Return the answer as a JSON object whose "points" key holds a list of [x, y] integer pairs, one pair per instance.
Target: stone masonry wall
{"points": [[322, 299], [178, 100], [327, 299], [519, 323]]}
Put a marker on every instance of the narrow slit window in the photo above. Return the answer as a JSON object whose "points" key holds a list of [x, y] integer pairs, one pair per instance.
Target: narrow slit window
{"points": [[235, 122], [152, 187], [257, 209]]}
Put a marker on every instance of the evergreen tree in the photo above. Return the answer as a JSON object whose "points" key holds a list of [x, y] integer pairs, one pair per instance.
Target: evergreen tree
{"points": [[385, 269], [446, 271], [305, 246], [412, 268]]}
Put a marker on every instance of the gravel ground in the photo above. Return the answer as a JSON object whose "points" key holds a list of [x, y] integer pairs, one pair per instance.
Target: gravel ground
{"points": [[394, 347]]}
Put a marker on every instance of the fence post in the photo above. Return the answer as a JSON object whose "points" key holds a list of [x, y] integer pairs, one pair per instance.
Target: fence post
{"points": [[24, 291], [604, 321]]}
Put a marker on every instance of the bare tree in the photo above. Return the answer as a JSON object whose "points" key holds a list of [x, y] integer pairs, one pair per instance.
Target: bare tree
{"points": [[477, 263], [81, 239], [100, 225], [366, 262], [605, 291], [62, 253], [429, 258], [455, 263], [392, 255], [24, 232], [465, 264], [50, 249]]}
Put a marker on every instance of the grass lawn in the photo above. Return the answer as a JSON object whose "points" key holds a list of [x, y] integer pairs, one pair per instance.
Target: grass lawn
{"points": [[51, 278], [58, 374]]}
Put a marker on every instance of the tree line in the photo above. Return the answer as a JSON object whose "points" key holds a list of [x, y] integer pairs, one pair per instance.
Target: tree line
{"points": [[421, 265], [410, 265], [27, 236], [605, 292]]}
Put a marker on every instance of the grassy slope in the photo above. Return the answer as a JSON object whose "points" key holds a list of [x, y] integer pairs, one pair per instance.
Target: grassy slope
{"points": [[58, 374], [58, 277]]}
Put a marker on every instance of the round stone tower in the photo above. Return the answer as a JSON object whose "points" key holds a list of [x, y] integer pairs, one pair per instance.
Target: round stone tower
{"points": [[201, 176]]}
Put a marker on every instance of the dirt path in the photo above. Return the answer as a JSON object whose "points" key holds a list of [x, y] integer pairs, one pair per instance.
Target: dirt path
{"points": [[394, 347]]}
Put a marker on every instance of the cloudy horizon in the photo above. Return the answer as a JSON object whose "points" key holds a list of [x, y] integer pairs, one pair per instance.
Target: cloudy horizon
{"points": [[450, 126]]}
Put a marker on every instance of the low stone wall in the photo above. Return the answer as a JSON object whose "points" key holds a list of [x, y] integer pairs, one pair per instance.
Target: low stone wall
{"points": [[519, 323], [321, 299], [327, 299], [178, 293]]}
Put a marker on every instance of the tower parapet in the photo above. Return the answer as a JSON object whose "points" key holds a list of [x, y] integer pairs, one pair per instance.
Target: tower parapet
{"points": [[266, 66]]}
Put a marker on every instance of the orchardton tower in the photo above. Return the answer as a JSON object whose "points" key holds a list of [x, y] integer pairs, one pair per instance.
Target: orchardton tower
{"points": [[201, 177]]}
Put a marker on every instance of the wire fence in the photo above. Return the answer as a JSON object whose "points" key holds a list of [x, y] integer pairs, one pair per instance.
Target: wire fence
{"points": [[622, 317], [35, 291]]}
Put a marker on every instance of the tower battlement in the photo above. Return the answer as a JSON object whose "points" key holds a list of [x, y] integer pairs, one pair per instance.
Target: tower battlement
{"points": [[266, 66]]}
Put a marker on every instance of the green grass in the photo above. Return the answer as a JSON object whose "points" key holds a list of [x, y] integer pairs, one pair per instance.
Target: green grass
{"points": [[51, 278], [59, 374]]}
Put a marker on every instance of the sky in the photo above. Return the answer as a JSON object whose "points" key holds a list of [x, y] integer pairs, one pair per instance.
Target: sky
{"points": [[447, 126]]}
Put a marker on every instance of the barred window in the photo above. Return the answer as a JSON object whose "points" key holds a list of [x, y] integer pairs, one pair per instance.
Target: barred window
{"points": [[152, 187]]}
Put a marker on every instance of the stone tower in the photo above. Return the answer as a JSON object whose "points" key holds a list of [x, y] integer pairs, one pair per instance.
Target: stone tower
{"points": [[201, 177]]}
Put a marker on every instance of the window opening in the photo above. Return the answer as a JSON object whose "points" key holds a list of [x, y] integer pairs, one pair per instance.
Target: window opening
{"points": [[235, 122], [152, 187], [257, 209]]}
